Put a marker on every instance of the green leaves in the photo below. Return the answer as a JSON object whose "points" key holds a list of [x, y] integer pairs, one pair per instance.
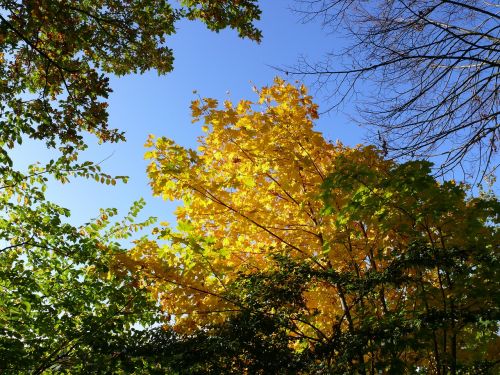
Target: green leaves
{"points": [[58, 298], [56, 56], [428, 238], [238, 15]]}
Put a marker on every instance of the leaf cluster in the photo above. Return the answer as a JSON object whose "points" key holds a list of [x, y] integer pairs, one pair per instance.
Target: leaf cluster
{"points": [[56, 57], [353, 263]]}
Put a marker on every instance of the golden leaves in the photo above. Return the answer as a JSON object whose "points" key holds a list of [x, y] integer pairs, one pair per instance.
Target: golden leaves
{"points": [[251, 190]]}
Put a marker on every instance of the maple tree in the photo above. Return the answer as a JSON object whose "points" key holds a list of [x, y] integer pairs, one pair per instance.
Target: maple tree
{"points": [[363, 264]]}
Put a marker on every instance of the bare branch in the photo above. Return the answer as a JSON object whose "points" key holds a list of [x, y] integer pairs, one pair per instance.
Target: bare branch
{"points": [[432, 67]]}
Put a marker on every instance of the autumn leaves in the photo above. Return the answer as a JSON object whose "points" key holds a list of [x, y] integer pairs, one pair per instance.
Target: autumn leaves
{"points": [[265, 191]]}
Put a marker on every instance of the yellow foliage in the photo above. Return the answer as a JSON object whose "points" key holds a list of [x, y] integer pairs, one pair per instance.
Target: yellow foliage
{"points": [[251, 190], [255, 189]]}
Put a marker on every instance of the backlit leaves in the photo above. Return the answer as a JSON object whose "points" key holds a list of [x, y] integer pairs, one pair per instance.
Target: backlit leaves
{"points": [[251, 190], [56, 57], [363, 263]]}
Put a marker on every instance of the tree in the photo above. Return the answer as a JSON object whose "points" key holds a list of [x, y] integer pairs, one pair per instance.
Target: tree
{"points": [[431, 253], [432, 66], [56, 56], [247, 343], [61, 310], [363, 265]]}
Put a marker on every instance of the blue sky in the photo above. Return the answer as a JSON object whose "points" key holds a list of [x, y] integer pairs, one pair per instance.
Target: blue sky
{"points": [[221, 66]]}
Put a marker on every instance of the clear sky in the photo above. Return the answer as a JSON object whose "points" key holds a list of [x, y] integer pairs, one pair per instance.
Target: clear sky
{"points": [[221, 66]]}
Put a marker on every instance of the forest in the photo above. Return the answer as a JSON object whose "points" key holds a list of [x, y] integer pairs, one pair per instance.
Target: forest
{"points": [[285, 251]]}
